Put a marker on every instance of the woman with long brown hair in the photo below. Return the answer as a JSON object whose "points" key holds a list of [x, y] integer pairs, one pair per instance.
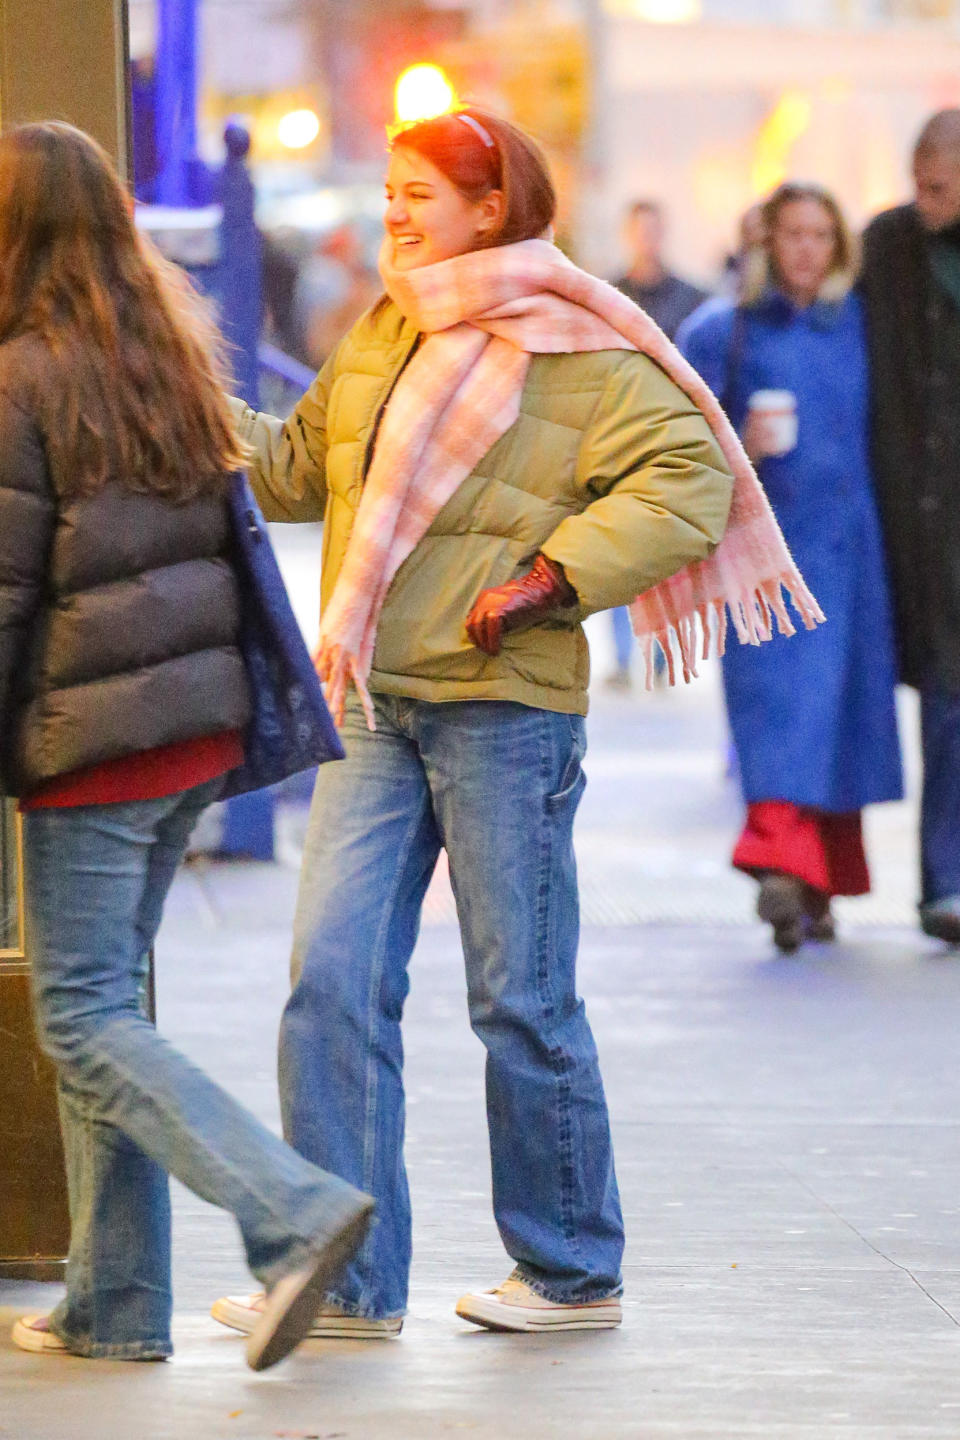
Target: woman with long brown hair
{"points": [[125, 705]]}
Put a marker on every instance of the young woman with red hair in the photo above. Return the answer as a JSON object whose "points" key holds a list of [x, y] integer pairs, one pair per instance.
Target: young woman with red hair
{"points": [[501, 446]]}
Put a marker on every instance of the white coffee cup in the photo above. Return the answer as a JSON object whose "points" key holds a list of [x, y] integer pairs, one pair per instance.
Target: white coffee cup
{"points": [[778, 410]]}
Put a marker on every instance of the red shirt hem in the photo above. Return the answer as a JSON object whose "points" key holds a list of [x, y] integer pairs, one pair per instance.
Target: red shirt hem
{"points": [[148, 775]]}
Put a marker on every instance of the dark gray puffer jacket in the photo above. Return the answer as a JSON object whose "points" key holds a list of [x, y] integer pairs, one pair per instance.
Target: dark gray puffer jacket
{"points": [[119, 612]]}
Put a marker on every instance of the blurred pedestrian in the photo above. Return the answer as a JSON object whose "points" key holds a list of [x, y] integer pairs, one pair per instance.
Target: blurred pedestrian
{"points": [[500, 447], [749, 236], [333, 289], [124, 706], [668, 300], [911, 284], [813, 722], [649, 282], [280, 271]]}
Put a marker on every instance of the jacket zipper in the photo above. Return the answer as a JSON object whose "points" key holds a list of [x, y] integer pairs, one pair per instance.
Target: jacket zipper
{"points": [[375, 427]]}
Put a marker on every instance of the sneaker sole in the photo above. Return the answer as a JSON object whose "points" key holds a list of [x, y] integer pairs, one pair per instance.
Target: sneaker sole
{"points": [[332, 1327], [521, 1319], [293, 1303]]}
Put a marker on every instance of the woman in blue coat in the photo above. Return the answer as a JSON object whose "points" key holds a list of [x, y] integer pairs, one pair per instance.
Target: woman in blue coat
{"points": [[813, 720]]}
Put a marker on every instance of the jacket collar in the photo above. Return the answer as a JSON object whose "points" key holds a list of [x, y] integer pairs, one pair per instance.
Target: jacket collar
{"points": [[779, 309]]}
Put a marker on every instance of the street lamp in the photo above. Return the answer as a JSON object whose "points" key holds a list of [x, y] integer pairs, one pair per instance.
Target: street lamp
{"points": [[423, 92], [298, 129]]}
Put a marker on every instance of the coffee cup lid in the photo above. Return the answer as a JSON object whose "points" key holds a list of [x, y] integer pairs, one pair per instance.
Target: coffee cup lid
{"points": [[772, 400]]}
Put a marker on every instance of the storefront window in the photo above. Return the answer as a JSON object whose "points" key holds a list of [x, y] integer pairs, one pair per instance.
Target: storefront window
{"points": [[11, 922]]}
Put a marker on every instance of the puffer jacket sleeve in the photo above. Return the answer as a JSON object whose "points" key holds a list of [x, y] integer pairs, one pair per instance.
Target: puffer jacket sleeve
{"points": [[661, 484], [27, 518], [287, 470]]}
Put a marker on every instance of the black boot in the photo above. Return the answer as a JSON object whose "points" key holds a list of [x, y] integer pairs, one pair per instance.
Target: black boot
{"points": [[941, 919], [780, 904], [820, 925]]}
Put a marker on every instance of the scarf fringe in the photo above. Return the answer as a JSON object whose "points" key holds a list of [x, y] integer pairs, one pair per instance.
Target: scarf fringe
{"points": [[753, 613], [336, 667]]}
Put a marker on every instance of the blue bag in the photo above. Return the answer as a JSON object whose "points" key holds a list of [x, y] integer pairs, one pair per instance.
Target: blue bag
{"points": [[290, 726]]}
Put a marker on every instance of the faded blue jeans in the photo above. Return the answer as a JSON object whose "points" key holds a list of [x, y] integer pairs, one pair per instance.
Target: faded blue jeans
{"points": [[132, 1108], [497, 784]]}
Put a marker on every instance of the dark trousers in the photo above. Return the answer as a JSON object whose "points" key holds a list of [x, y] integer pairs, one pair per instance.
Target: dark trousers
{"points": [[940, 803]]}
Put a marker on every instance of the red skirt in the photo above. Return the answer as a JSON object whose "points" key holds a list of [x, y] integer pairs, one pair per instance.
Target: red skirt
{"points": [[824, 850]]}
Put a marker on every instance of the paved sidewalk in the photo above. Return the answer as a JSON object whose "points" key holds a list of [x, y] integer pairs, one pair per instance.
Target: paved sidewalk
{"points": [[787, 1143]]}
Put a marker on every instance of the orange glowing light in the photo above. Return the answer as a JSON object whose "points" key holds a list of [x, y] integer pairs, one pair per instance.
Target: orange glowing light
{"points": [[422, 92], [784, 126], [298, 129]]}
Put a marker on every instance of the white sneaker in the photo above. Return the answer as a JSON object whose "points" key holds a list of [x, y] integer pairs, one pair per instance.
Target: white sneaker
{"points": [[514, 1306], [242, 1312], [32, 1332]]}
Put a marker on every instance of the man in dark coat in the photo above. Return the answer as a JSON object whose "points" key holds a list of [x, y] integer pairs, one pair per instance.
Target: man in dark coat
{"points": [[911, 282]]}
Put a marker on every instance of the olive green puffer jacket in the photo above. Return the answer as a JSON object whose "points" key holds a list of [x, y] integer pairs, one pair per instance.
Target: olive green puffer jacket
{"points": [[610, 470]]}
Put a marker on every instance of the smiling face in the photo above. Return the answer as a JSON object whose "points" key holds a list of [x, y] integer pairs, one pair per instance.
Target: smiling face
{"points": [[803, 248], [427, 218]]}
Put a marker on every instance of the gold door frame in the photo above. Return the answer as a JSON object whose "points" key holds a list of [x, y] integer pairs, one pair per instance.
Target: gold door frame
{"points": [[64, 60], [14, 958], [67, 60]]}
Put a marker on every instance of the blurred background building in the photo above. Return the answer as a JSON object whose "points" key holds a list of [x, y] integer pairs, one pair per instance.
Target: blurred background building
{"points": [[705, 104]]}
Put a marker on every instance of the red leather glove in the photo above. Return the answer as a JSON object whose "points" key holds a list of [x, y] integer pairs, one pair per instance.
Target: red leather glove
{"points": [[518, 603]]}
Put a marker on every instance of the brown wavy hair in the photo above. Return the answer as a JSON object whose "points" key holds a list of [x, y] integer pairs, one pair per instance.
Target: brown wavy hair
{"points": [[478, 152], [760, 270], [142, 365]]}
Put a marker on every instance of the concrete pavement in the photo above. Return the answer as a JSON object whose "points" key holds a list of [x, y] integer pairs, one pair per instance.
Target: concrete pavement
{"points": [[787, 1144]]}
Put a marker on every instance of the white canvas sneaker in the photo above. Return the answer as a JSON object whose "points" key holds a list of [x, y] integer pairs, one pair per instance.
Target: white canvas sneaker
{"points": [[33, 1333], [242, 1312], [515, 1306]]}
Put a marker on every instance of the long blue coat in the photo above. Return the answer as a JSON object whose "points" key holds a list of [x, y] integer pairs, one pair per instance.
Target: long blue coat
{"points": [[812, 715]]}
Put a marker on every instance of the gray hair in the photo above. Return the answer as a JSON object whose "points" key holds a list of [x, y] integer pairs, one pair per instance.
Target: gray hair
{"points": [[940, 136]]}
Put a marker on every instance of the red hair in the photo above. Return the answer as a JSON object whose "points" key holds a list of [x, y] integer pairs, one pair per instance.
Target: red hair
{"points": [[477, 153]]}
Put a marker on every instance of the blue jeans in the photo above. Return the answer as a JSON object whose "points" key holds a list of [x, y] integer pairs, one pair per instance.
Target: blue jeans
{"points": [[622, 636], [940, 802], [624, 640], [133, 1108], [497, 784]]}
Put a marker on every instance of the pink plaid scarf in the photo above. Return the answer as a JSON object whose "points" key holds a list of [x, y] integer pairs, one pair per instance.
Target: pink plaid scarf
{"points": [[484, 314]]}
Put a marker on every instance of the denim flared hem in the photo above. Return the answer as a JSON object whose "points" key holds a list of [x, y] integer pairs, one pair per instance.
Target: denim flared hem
{"points": [[584, 1296], [126, 1350], [360, 1312], [335, 1211]]}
